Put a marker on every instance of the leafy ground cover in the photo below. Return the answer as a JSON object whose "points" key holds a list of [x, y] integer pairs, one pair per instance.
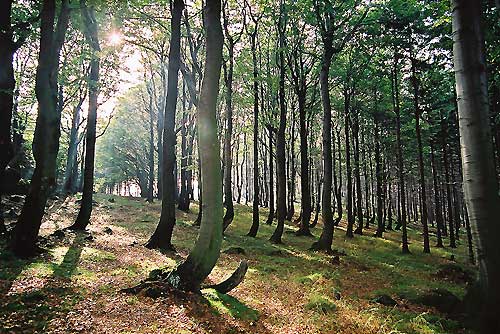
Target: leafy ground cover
{"points": [[74, 287]]}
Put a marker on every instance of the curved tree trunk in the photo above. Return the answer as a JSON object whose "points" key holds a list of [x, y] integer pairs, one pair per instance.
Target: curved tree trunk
{"points": [[190, 274]]}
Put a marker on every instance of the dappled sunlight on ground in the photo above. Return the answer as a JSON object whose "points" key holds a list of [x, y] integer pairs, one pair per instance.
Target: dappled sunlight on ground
{"points": [[74, 287]]}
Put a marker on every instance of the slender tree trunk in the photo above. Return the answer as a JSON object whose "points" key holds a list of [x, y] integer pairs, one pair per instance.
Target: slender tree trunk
{"points": [[162, 237], [184, 200], [395, 87], [365, 177], [378, 175], [201, 260], [357, 170], [270, 217], [350, 215], [481, 195], [151, 153], [305, 201], [449, 216], [423, 205], [280, 137], [228, 161], [338, 191], [159, 128], [69, 183], [325, 240], [47, 132], [255, 207], [437, 203], [91, 35], [292, 173]]}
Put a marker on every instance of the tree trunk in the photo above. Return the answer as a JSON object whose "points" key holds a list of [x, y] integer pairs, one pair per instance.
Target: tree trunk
{"points": [[292, 173], [357, 171], [449, 216], [190, 274], [270, 217], [151, 153], [395, 89], [338, 190], [280, 137], [91, 35], [481, 194], [228, 161], [255, 207], [350, 215], [47, 132], [325, 240], [378, 176], [162, 237], [423, 205], [437, 202], [305, 201], [7, 87], [69, 183], [184, 200]]}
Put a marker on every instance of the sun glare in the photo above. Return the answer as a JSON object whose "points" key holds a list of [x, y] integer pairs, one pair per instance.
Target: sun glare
{"points": [[115, 38]]}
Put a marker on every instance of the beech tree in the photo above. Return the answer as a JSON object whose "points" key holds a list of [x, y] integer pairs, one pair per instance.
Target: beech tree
{"points": [[162, 237], [91, 36], [481, 195], [47, 132], [203, 257]]}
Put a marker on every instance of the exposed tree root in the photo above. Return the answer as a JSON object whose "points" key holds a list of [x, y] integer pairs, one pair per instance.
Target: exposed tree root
{"points": [[160, 283], [234, 280]]}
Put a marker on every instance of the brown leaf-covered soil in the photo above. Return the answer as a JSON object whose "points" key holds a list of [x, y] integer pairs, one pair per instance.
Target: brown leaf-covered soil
{"points": [[74, 287]]}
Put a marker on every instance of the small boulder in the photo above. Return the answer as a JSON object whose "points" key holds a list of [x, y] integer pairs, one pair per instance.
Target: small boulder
{"points": [[385, 300], [455, 273], [275, 252], [235, 250], [442, 299], [108, 230], [89, 238]]}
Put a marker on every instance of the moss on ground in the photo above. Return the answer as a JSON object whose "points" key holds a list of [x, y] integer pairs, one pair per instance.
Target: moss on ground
{"points": [[287, 287]]}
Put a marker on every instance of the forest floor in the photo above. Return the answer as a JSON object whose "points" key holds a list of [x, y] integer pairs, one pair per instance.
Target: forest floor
{"points": [[75, 286]]}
